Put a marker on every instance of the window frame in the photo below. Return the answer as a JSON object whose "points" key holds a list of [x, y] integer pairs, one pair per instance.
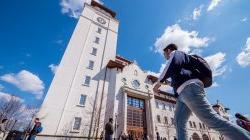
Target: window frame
{"points": [[85, 80], [93, 48], [97, 40], [73, 125], [79, 103], [93, 64]]}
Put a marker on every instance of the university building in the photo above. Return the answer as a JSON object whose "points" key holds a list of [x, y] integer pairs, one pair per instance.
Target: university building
{"points": [[93, 84]]}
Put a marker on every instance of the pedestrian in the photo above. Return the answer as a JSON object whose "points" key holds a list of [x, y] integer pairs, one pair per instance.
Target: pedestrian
{"points": [[123, 136], [145, 136], [109, 129], [189, 75], [3, 128], [243, 121], [158, 136], [36, 129]]}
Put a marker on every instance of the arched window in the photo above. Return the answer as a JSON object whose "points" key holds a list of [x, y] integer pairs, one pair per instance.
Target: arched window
{"points": [[205, 137], [195, 136]]}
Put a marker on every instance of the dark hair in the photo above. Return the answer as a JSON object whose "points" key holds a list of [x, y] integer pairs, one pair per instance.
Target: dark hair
{"points": [[239, 116], [4, 120], [37, 119], [170, 47]]}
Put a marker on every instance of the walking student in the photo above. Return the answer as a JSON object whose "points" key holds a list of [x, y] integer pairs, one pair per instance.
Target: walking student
{"points": [[36, 129], [190, 74]]}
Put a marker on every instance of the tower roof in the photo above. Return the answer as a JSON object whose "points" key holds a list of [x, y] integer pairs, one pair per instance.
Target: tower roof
{"points": [[96, 4]]}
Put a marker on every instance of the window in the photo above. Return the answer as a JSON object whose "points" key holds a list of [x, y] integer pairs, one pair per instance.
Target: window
{"points": [[200, 125], [82, 100], [87, 80], [77, 123], [157, 104], [94, 51], [97, 39], [138, 103], [203, 126], [170, 108], [99, 30], [135, 73], [190, 123], [172, 121], [158, 119], [166, 120], [164, 107], [194, 124], [91, 64]]}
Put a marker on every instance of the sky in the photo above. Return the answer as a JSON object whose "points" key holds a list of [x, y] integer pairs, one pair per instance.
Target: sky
{"points": [[34, 36]]}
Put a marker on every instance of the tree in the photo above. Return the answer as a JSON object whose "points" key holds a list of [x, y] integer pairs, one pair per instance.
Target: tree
{"points": [[18, 114], [10, 108]]}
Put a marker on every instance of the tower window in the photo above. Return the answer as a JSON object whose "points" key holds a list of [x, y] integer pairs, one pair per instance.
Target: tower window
{"points": [[166, 120], [190, 123], [158, 119], [94, 51], [172, 121], [87, 80], [97, 40], [99, 30], [194, 124], [200, 125], [91, 64], [82, 100], [77, 123]]}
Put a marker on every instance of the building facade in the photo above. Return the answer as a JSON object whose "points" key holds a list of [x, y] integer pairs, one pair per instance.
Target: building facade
{"points": [[93, 84]]}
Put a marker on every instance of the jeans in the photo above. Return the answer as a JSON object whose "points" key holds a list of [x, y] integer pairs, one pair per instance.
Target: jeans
{"points": [[192, 99]]}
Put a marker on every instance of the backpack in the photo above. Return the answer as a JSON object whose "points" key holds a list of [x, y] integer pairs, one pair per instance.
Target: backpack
{"points": [[201, 69]]}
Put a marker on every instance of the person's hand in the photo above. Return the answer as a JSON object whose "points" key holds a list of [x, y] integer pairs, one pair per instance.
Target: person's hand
{"points": [[156, 88]]}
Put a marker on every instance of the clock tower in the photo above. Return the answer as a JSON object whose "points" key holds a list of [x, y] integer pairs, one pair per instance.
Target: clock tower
{"points": [[71, 104]]}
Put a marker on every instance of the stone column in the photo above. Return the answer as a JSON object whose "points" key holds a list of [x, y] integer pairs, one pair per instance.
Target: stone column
{"points": [[149, 118], [125, 111]]}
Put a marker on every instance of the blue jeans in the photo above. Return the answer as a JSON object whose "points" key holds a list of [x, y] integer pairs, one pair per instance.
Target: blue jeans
{"points": [[193, 99]]}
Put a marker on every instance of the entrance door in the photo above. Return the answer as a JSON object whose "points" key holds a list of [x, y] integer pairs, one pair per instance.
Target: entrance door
{"points": [[136, 118]]}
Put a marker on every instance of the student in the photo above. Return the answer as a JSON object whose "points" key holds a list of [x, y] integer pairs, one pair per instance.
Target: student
{"points": [[36, 129], [188, 81], [158, 136], [109, 129], [3, 127]]}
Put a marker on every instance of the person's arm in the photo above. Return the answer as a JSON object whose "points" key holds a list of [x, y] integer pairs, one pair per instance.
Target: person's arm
{"points": [[173, 66]]}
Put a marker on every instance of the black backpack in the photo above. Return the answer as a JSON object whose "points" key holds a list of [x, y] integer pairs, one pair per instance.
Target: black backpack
{"points": [[201, 69]]}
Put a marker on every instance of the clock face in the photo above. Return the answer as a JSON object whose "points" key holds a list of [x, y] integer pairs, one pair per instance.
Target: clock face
{"points": [[101, 20], [136, 84]]}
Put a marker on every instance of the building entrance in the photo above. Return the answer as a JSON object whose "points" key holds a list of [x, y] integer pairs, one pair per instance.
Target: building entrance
{"points": [[136, 117]]}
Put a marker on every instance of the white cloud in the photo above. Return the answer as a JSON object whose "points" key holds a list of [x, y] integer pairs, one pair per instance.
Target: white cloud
{"points": [[244, 19], [213, 4], [216, 63], [185, 40], [243, 57], [53, 68], [26, 81], [197, 12], [73, 7], [7, 97]]}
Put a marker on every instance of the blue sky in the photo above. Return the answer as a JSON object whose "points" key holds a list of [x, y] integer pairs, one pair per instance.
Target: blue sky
{"points": [[34, 35]]}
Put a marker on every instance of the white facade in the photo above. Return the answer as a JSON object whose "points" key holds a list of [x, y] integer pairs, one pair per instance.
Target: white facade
{"points": [[92, 84]]}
